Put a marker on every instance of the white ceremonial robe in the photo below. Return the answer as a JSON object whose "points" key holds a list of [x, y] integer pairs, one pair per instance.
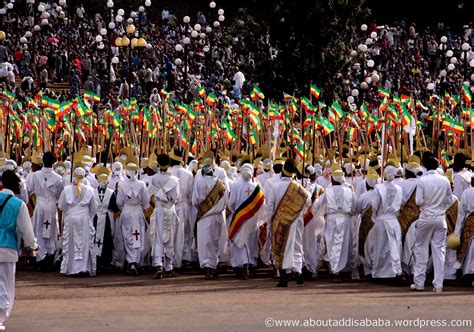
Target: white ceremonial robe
{"points": [[465, 209], [387, 231], [113, 181], [245, 252], [266, 251], [313, 238], [132, 199], [434, 197], [164, 221], [47, 186], [78, 230], [337, 204], [461, 182], [211, 229], [293, 256], [264, 177], [184, 231]]}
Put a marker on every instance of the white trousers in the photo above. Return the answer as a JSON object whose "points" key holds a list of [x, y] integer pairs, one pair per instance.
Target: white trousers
{"points": [[430, 232], [7, 290]]}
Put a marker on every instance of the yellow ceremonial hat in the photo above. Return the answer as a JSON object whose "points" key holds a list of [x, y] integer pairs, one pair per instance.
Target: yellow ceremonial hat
{"points": [[372, 174], [336, 170], [131, 163]]}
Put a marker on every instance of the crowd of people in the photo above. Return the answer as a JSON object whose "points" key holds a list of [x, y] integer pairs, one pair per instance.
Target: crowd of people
{"points": [[348, 210], [55, 52]]}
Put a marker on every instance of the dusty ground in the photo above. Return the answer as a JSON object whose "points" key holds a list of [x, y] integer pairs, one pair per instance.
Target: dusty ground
{"points": [[51, 302]]}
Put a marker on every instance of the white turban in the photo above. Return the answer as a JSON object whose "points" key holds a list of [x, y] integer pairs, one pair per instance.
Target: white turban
{"points": [[389, 173], [246, 170]]}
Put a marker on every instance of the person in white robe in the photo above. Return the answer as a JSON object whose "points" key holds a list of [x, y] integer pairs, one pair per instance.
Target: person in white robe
{"points": [[267, 171], [461, 175], [118, 253], [15, 225], [164, 220], [313, 242], [116, 176], [184, 232], [434, 196], [388, 237], [210, 227], [292, 257], [104, 220], [47, 186], [337, 204], [132, 198], [77, 201], [244, 247], [466, 208], [266, 248]]}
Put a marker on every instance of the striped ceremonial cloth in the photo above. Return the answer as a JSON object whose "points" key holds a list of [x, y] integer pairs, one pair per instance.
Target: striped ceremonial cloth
{"points": [[245, 211]]}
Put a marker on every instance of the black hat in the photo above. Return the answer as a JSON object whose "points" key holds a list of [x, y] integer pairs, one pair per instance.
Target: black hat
{"points": [[289, 168], [163, 161]]}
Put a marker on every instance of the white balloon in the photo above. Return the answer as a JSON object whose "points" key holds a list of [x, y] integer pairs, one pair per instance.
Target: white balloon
{"points": [[10, 6], [355, 92], [28, 34], [373, 35], [364, 85], [220, 12], [23, 40], [454, 60], [212, 4], [350, 99], [449, 53], [375, 77], [118, 19], [178, 48], [103, 31], [443, 73], [186, 19], [370, 63], [221, 18], [98, 38], [471, 63], [451, 66], [206, 49], [194, 34], [115, 60], [197, 27], [444, 39], [430, 86], [353, 53], [111, 25], [121, 12], [363, 27], [178, 62]]}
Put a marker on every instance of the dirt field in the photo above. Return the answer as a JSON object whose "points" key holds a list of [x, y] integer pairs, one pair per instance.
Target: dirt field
{"points": [[51, 302]]}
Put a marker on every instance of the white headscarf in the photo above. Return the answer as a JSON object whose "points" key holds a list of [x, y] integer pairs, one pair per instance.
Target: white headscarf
{"points": [[389, 173]]}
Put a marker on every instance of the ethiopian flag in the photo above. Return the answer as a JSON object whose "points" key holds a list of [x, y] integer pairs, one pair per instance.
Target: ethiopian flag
{"points": [[256, 93], [383, 93], [452, 125], [91, 96], [229, 133], [202, 92], [211, 99], [467, 94], [337, 109], [314, 91]]}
